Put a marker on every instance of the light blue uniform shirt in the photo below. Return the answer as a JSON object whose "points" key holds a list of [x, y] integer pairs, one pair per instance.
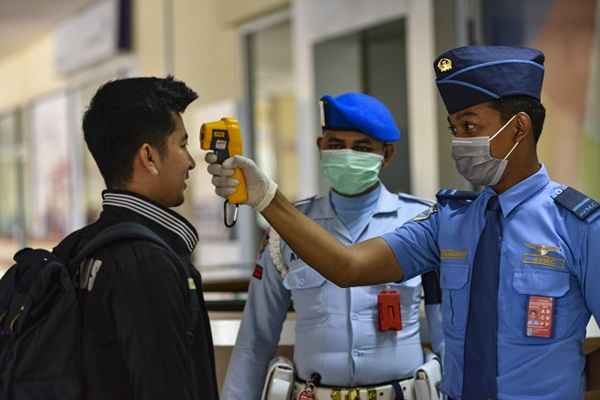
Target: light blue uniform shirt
{"points": [[546, 251], [336, 328]]}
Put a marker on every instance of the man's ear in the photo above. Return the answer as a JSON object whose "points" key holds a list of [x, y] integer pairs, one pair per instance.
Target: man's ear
{"points": [[149, 159], [389, 152], [523, 125]]}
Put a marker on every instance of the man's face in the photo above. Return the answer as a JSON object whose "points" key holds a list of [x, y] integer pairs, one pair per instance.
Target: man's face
{"points": [[481, 120], [357, 141], [175, 165]]}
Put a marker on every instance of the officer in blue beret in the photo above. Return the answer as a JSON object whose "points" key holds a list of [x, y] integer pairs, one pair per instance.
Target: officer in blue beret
{"points": [[338, 332], [518, 261]]}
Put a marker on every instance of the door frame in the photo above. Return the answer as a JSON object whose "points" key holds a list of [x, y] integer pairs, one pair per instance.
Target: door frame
{"points": [[317, 20]]}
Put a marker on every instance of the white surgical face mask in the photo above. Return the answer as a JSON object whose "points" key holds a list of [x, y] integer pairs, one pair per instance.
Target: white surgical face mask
{"points": [[475, 162]]}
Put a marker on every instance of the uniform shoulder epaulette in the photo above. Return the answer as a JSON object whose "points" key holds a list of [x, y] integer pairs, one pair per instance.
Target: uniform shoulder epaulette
{"points": [[307, 200], [453, 194], [305, 205], [410, 197], [576, 202]]}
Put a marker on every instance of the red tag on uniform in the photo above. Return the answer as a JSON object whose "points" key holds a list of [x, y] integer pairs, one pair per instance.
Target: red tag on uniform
{"points": [[258, 270], [388, 306], [540, 316]]}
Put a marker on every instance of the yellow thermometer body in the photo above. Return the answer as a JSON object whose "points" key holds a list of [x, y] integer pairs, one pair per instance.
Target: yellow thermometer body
{"points": [[224, 138]]}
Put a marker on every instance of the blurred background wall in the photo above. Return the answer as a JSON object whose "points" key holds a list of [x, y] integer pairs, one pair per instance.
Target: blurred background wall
{"points": [[266, 62]]}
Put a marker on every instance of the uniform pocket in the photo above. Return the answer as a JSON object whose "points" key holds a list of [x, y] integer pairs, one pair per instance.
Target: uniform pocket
{"points": [[534, 281], [453, 281], [308, 289], [547, 282], [410, 299], [454, 276], [303, 278]]}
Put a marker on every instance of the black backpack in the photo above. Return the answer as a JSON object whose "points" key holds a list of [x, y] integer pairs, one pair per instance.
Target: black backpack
{"points": [[40, 318]]}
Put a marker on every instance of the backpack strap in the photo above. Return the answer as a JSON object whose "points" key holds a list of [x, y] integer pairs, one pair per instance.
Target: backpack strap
{"points": [[134, 231]]}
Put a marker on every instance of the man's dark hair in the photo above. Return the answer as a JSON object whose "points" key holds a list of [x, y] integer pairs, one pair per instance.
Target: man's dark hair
{"points": [[126, 113], [511, 105]]}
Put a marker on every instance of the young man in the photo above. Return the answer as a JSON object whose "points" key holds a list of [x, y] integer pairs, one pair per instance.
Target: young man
{"points": [[138, 341], [337, 333], [517, 261]]}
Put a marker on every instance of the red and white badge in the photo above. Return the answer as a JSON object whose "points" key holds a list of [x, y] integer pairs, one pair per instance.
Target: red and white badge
{"points": [[388, 307], [540, 316]]}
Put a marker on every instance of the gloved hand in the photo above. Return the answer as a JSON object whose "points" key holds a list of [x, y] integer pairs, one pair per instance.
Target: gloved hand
{"points": [[261, 188]]}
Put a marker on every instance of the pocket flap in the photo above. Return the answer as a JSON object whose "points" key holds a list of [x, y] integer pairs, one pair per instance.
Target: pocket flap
{"points": [[541, 282], [303, 278], [454, 276]]}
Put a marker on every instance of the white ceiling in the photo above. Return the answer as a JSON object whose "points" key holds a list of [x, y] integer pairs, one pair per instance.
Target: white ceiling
{"points": [[24, 21]]}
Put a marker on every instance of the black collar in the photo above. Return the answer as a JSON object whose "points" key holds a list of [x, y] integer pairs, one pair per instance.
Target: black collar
{"points": [[122, 205]]}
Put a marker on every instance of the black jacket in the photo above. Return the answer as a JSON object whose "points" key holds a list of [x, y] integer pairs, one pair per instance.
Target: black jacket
{"points": [[136, 310]]}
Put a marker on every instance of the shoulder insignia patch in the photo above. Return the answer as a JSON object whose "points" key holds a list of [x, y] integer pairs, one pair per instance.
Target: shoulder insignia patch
{"points": [[576, 202], [456, 194], [425, 215], [455, 198]]}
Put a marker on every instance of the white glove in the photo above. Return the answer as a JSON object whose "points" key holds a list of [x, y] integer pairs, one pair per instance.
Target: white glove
{"points": [[261, 188]]}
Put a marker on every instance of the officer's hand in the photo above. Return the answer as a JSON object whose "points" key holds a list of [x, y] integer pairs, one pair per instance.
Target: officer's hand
{"points": [[261, 188]]}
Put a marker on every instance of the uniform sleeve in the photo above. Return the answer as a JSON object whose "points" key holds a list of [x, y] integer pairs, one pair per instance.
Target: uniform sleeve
{"points": [[589, 275], [151, 317], [415, 244], [260, 330]]}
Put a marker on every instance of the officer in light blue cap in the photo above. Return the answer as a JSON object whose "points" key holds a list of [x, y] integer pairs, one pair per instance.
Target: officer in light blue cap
{"points": [[518, 260], [343, 343]]}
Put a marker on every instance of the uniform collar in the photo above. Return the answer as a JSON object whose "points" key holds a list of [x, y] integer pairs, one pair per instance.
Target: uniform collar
{"points": [[163, 220], [522, 191], [357, 204], [387, 203]]}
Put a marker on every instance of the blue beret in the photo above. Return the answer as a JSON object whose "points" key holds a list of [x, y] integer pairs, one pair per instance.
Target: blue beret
{"points": [[471, 75], [359, 112]]}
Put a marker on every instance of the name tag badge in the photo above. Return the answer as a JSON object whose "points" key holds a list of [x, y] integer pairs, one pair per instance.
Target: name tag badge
{"points": [[540, 316], [388, 307]]}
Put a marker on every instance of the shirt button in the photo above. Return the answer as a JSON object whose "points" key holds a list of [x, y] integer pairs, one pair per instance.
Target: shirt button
{"points": [[354, 316], [356, 353]]}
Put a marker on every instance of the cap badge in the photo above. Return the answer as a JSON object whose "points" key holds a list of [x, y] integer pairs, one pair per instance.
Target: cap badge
{"points": [[445, 64]]}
